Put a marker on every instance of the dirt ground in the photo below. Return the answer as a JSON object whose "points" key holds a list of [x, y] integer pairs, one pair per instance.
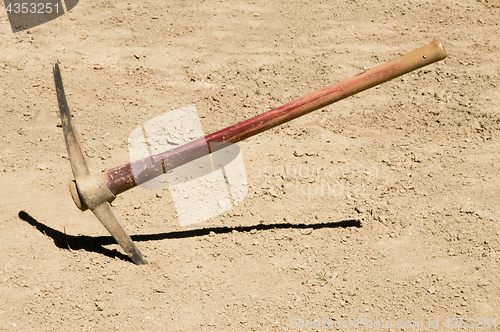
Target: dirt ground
{"points": [[382, 207]]}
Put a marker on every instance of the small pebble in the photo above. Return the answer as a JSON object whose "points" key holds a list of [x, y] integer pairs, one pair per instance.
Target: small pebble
{"points": [[306, 231], [359, 209], [298, 153]]}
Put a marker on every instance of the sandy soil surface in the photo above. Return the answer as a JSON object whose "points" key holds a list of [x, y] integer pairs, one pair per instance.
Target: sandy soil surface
{"points": [[383, 206]]}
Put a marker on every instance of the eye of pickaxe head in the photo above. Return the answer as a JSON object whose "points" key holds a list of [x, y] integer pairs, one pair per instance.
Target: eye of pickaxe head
{"points": [[95, 190]]}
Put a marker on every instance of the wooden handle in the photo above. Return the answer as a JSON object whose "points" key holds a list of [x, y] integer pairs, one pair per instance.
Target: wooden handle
{"points": [[121, 178], [370, 78]]}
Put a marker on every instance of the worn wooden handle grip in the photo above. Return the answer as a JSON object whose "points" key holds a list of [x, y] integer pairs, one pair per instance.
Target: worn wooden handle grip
{"points": [[121, 178]]}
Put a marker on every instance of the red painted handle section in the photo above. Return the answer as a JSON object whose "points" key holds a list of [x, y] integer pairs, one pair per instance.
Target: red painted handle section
{"points": [[121, 178]]}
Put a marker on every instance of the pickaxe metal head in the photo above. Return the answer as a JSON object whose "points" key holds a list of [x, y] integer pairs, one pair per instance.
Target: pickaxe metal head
{"points": [[89, 190], [95, 190]]}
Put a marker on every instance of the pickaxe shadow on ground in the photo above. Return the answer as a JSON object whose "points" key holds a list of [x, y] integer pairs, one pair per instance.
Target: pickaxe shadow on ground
{"points": [[95, 190], [97, 243]]}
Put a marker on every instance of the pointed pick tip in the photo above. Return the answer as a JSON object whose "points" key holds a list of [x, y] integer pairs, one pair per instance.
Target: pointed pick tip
{"points": [[138, 259], [106, 216], [55, 69]]}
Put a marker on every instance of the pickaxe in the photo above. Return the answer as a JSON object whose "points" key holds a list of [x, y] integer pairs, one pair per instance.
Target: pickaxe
{"points": [[95, 190]]}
